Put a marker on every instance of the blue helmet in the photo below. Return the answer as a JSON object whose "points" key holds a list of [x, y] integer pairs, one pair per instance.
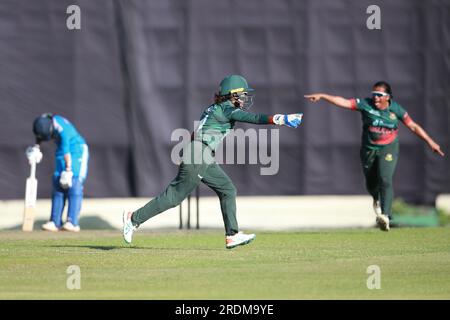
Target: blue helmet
{"points": [[43, 127]]}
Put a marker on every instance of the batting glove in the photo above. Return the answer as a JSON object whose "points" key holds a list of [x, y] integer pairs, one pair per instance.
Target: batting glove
{"points": [[66, 179], [33, 154], [290, 120]]}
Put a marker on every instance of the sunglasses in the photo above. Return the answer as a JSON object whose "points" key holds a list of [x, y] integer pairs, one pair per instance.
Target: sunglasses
{"points": [[379, 94]]}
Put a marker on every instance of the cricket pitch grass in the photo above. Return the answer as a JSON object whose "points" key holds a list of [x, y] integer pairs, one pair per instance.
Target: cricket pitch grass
{"points": [[172, 265]]}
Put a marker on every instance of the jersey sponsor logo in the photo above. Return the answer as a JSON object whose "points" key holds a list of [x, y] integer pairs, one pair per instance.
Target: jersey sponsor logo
{"points": [[382, 130], [377, 122], [374, 112], [388, 157], [382, 136], [381, 123]]}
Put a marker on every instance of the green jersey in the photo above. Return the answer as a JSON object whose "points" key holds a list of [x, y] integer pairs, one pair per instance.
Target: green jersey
{"points": [[218, 119], [380, 127]]}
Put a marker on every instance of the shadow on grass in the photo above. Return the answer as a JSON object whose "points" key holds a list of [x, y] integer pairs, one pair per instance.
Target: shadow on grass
{"points": [[108, 248], [86, 223], [95, 247]]}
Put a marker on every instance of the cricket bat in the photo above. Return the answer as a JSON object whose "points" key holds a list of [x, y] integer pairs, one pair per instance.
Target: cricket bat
{"points": [[30, 199]]}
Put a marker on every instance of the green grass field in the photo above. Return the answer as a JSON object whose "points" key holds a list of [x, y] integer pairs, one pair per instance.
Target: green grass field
{"points": [[332, 264]]}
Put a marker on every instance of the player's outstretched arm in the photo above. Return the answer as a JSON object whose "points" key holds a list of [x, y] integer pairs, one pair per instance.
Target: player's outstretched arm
{"points": [[336, 100], [291, 120], [420, 132]]}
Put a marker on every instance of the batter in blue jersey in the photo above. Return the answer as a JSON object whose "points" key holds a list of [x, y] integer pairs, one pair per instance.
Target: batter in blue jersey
{"points": [[71, 167]]}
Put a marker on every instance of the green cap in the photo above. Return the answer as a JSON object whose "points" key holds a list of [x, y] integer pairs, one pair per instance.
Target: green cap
{"points": [[233, 84]]}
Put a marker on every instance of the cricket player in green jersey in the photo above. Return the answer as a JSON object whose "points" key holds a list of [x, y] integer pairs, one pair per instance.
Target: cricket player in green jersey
{"points": [[380, 146], [198, 165]]}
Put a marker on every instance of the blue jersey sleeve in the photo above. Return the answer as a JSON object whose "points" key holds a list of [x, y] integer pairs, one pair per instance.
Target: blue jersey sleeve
{"points": [[68, 141], [62, 127]]}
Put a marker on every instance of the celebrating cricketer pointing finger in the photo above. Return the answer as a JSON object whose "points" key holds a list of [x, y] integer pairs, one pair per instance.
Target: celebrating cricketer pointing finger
{"points": [[198, 165]]}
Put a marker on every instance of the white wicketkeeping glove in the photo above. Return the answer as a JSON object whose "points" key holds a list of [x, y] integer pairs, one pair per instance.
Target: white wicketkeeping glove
{"points": [[66, 179], [34, 154], [290, 120]]}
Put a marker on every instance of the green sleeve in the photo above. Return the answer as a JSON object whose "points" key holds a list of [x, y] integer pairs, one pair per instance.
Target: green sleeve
{"points": [[398, 110], [362, 104], [243, 116]]}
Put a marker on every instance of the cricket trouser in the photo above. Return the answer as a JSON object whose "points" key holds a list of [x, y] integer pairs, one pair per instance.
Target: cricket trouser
{"points": [[198, 165], [379, 168], [73, 195]]}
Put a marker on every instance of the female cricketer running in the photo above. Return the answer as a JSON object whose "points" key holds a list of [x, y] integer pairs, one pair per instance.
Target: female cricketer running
{"points": [[380, 146], [198, 164], [71, 167]]}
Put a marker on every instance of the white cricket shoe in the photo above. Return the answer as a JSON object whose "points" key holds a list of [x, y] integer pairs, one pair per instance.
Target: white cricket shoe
{"points": [[68, 226], [239, 239], [50, 226], [383, 222], [128, 227], [377, 207]]}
